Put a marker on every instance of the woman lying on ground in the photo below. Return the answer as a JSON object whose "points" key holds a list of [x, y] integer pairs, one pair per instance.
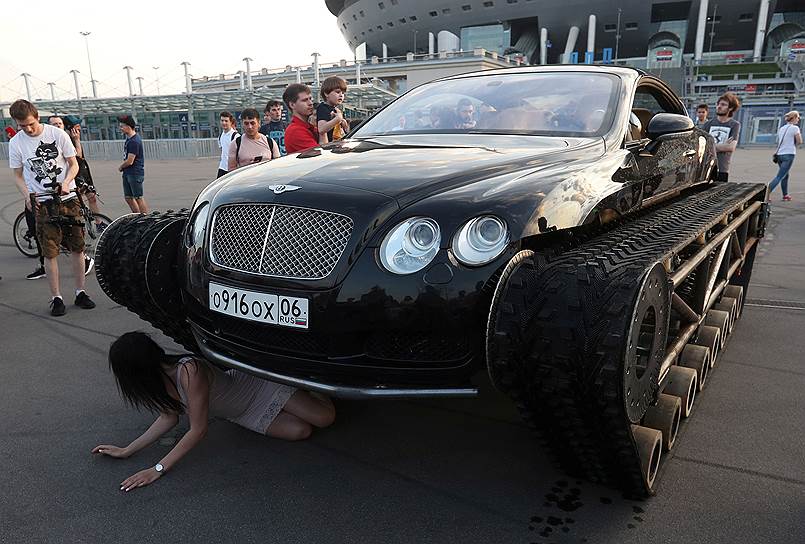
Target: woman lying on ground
{"points": [[171, 385]]}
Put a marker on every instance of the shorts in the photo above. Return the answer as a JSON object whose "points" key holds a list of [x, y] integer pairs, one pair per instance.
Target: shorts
{"points": [[133, 185], [52, 235]]}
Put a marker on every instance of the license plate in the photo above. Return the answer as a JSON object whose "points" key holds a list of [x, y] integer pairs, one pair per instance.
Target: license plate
{"points": [[260, 307]]}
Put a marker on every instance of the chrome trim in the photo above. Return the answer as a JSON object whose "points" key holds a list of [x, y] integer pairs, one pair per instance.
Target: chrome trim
{"points": [[337, 391]]}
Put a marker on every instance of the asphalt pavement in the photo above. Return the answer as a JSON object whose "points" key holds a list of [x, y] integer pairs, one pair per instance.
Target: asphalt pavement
{"points": [[387, 471]]}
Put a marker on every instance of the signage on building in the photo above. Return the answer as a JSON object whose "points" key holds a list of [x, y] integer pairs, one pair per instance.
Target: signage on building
{"points": [[664, 55]]}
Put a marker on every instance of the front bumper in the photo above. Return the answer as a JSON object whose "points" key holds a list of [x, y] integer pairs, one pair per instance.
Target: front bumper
{"points": [[375, 334]]}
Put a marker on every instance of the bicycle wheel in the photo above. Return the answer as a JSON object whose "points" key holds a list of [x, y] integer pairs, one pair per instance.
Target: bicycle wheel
{"points": [[24, 239], [95, 225]]}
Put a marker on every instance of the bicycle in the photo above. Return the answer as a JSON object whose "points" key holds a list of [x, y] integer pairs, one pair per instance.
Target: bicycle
{"points": [[94, 224]]}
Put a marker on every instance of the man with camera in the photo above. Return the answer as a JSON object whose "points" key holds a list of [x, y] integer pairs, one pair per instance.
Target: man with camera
{"points": [[251, 147]]}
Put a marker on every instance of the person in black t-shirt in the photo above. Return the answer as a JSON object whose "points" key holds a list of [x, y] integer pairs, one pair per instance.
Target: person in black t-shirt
{"points": [[329, 119], [274, 127]]}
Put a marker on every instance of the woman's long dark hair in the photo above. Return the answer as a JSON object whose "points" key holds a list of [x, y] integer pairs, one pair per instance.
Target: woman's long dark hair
{"points": [[136, 361]]}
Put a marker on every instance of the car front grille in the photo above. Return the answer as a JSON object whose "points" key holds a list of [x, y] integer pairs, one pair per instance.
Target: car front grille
{"points": [[279, 241]]}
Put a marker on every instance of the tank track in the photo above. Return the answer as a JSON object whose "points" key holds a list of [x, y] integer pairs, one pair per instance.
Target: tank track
{"points": [[135, 264], [564, 333]]}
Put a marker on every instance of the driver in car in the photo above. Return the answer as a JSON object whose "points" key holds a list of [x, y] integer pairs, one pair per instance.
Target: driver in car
{"points": [[465, 112]]}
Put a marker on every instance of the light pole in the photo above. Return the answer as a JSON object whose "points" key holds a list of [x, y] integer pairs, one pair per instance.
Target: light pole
{"points": [[89, 61], [140, 84], [156, 75], [415, 32]]}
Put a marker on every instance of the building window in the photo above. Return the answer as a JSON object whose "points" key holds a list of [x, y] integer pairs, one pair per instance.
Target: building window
{"points": [[466, 7], [389, 24], [511, 1], [354, 17], [380, 27], [433, 13], [610, 28], [393, 2], [630, 26], [381, 5], [446, 11], [745, 18], [402, 20], [361, 13], [489, 4], [412, 18]]}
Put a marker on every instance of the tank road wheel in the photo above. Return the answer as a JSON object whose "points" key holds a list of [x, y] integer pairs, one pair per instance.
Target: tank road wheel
{"points": [[697, 358], [729, 305], [709, 337], [136, 267], [665, 417], [682, 383], [649, 446], [720, 320], [736, 292]]}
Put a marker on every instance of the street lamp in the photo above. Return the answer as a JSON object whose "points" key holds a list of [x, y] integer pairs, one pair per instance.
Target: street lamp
{"points": [[415, 33], [156, 72], [618, 36], [89, 61], [713, 28]]}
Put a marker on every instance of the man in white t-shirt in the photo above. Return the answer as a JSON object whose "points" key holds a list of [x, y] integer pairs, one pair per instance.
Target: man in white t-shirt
{"points": [[43, 160], [228, 133]]}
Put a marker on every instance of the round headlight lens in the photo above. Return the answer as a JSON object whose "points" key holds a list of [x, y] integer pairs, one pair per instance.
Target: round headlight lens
{"points": [[480, 240], [411, 245], [195, 234]]}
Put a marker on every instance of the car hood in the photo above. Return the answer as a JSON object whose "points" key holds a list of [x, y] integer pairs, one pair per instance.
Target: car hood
{"points": [[405, 166]]}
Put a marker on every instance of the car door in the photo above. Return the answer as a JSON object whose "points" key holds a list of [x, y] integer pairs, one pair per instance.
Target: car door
{"points": [[669, 163]]}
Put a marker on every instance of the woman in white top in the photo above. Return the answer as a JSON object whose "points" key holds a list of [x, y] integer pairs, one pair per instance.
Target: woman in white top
{"points": [[788, 138], [172, 385]]}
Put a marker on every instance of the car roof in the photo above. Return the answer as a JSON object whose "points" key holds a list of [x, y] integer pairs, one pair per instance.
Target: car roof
{"points": [[579, 68]]}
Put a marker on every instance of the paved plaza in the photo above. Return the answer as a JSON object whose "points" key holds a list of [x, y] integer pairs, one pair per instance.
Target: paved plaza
{"points": [[441, 471]]}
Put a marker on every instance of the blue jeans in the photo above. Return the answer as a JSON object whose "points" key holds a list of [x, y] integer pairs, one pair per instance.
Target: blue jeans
{"points": [[782, 174], [133, 185]]}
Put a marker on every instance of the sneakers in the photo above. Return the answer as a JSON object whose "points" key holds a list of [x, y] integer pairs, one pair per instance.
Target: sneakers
{"points": [[36, 274], [787, 198], [57, 308], [89, 262], [83, 301]]}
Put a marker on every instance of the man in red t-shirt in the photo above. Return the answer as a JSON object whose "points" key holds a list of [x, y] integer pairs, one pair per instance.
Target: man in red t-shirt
{"points": [[300, 134]]}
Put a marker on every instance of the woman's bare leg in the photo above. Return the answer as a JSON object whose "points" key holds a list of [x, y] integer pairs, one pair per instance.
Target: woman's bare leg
{"points": [[317, 410], [289, 427]]}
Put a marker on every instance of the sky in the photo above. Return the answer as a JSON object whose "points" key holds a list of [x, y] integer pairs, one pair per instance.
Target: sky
{"points": [[214, 36]]}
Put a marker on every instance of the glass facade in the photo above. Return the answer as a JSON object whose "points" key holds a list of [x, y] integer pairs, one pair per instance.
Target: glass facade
{"points": [[490, 37]]}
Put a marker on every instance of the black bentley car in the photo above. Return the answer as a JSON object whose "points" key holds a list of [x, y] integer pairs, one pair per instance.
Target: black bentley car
{"points": [[554, 228], [367, 267]]}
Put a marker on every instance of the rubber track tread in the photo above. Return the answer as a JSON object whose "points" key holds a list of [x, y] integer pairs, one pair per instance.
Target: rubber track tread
{"points": [[560, 331], [121, 269]]}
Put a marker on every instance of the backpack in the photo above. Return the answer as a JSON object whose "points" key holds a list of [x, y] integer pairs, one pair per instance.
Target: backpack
{"points": [[237, 147]]}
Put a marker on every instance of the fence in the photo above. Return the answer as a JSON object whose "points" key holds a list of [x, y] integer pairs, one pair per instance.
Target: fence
{"points": [[112, 150]]}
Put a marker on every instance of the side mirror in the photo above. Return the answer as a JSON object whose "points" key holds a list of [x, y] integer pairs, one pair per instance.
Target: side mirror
{"points": [[663, 124]]}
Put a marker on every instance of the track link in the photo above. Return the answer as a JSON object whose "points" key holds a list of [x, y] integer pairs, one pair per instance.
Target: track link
{"points": [[136, 267], [561, 335]]}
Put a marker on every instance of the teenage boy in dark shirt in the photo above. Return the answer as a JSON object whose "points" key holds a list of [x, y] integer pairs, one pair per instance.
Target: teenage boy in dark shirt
{"points": [[726, 131], [274, 127], [300, 134], [329, 118], [133, 167]]}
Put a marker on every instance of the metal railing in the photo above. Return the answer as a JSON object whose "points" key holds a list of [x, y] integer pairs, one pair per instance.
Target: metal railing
{"points": [[110, 150]]}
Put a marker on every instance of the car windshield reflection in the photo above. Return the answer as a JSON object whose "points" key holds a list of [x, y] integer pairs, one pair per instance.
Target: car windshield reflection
{"points": [[547, 104]]}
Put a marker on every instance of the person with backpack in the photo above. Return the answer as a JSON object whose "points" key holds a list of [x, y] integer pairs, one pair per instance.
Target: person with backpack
{"points": [[251, 146], [228, 133]]}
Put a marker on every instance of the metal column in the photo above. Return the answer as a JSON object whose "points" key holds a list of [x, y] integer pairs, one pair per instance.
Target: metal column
{"points": [[249, 84], [128, 76], [570, 45], [591, 35], [760, 32], [543, 46], [188, 81], [26, 76], [77, 87], [52, 91], [700, 28]]}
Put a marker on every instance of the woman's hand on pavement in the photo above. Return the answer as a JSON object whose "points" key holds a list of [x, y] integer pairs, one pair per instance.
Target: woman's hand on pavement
{"points": [[140, 479], [111, 451]]}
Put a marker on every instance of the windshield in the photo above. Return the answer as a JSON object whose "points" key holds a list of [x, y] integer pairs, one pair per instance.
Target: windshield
{"points": [[544, 104]]}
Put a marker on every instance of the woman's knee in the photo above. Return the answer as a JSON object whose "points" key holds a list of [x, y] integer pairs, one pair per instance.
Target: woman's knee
{"points": [[298, 430], [289, 427], [325, 416]]}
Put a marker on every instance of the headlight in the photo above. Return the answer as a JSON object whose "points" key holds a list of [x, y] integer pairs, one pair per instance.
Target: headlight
{"points": [[411, 245], [198, 225], [480, 240]]}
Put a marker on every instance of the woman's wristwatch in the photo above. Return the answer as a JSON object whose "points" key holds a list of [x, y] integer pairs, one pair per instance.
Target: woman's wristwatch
{"points": [[159, 468]]}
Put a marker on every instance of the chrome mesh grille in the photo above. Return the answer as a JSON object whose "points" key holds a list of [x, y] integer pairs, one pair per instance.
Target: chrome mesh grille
{"points": [[280, 241]]}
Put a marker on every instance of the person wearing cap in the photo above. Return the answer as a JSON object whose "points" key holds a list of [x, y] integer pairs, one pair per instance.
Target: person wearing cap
{"points": [[133, 167]]}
